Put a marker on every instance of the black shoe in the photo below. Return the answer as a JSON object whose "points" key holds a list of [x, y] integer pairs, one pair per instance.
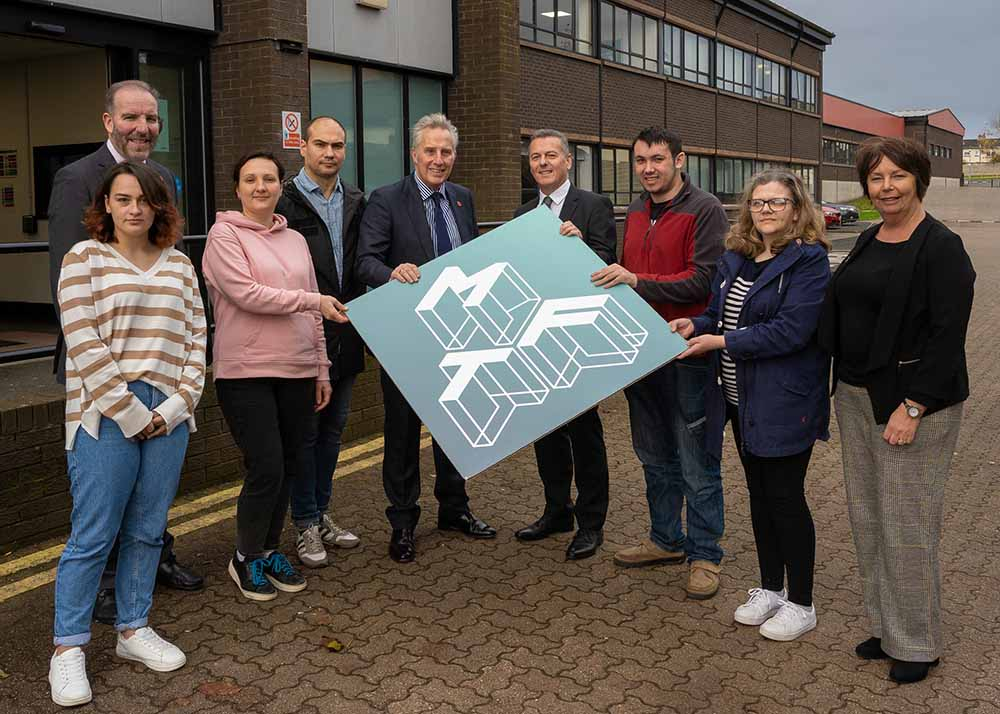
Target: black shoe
{"points": [[282, 575], [871, 649], [401, 547], [546, 526], [250, 579], [466, 523], [174, 575], [909, 672], [584, 544], [105, 610]]}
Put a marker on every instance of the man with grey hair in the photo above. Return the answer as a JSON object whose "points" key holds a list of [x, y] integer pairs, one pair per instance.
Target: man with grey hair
{"points": [[407, 224], [575, 449], [132, 121]]}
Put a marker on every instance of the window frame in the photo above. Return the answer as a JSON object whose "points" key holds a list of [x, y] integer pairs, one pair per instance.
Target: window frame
{"points": [[768, 94], [614, 191], [577, 43], [624, 53], [802, 94], [730, 84]]}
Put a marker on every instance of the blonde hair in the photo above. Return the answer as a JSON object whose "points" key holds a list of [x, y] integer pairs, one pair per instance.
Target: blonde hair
{"points": [[809, 227]]}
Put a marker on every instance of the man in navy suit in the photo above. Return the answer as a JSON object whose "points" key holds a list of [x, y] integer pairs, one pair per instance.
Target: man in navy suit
{"points": [[132, 121], [407, 224], [577, 447]]}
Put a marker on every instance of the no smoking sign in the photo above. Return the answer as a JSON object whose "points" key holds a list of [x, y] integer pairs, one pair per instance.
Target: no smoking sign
{"points": [[291, 130]]}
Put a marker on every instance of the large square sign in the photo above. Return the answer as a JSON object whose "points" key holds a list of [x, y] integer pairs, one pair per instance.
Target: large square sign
{"points": [[505, 339]]}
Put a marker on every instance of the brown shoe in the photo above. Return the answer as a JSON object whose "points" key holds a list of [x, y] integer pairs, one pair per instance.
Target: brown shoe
{"points": [[703, 580], [647, 553]]}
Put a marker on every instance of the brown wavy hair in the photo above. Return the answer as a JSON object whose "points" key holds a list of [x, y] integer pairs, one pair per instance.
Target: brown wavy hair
{"points": [[810, 227], [167, 222], [906, 153]]}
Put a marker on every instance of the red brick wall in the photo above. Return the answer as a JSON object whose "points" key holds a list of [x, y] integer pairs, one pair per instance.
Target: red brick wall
{"points": [[737, 124], [548, 100], [774, 131], [806, 136], [691, 113], [700, 12], [631, 102]]}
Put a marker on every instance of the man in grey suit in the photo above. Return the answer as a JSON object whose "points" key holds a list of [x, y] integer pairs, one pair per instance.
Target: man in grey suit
{"points": [[132, 121], [405, 225], [576, 447]]}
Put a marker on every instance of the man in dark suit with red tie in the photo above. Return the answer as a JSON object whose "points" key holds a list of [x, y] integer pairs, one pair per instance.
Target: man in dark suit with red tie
{"points": [[576, 447], [407, 224]]}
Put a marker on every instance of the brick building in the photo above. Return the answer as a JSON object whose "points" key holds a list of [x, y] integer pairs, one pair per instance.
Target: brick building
{"points": [[740, 80], [847, 123]]}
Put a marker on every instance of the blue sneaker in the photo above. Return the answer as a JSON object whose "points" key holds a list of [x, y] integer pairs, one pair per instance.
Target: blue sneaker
{"points": [[250, 579], [282, 575]]}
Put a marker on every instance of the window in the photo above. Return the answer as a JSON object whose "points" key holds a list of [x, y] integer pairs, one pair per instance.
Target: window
{"points": [[769, 81], [617, 176], [733, 70], [582, 175], [686, 55], [731, 175], [699, 169], [629, 37], [390, 104], [803, 91], [839, 152], [808, 175], [565, 24]]}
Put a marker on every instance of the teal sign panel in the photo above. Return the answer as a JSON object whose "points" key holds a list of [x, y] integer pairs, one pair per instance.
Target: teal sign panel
{"points": [[505, 339]]}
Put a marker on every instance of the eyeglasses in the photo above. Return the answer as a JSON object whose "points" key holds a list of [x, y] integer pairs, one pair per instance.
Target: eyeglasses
{"points": [[775, 204]]}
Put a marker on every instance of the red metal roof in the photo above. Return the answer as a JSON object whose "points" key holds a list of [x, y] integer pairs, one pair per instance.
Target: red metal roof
{"points": [[946, 120], [858, 117]]}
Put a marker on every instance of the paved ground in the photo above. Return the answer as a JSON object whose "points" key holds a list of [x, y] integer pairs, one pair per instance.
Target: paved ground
{"points": [[501, 627]]}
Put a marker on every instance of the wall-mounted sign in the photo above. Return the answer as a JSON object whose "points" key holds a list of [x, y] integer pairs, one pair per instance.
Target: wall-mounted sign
{"points": [[7, 197], [291, 130], [8, 163]]}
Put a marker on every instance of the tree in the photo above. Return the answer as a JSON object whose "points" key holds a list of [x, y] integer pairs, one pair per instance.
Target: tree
{"points": [[989, 140]]}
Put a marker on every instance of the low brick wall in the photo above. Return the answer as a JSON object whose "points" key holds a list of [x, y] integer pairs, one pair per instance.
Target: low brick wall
{"points": [[34, 491]]}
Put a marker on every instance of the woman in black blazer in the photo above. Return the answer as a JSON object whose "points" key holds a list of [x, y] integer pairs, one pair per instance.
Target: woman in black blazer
{"points": [[895, 319]]}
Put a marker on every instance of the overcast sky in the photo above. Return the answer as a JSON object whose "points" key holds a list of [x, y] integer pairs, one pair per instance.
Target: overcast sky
{"points": [[912, 54]]}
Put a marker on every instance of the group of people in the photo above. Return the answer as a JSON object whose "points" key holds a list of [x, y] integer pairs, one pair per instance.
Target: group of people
{"points": [[755, 302]]}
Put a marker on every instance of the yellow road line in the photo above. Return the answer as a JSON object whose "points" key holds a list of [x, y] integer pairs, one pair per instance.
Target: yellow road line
{"points": [[48, 554]]}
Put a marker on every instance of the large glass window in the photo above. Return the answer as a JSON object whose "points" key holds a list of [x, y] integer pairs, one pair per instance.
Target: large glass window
{"points": [[687, 55], [699, 169], [383, 126], [331, 88], [803, 91], [770, 82], [560, 23], [808, 175], [733, 69], [839, 152], [617, 177], [731, 176], [629, 37]]}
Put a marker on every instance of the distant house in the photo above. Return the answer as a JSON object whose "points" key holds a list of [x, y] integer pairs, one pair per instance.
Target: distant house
{"points": [[972, 152]]}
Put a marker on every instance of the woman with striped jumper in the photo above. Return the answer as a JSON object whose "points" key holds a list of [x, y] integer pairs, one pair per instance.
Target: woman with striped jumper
{"points": [[772, 384], [135, 368]]}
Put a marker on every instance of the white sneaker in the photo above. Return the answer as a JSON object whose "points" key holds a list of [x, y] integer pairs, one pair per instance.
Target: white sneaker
{"points": [[310, 548], [152, 650], [760, 607], [68, 678], [789, 622], [335, 535]]}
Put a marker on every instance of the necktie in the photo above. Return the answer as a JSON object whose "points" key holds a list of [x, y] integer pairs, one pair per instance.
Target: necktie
{"points": [[440, 227], [548, 202]]}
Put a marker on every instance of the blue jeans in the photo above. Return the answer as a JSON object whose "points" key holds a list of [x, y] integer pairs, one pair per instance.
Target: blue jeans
{"points": [[667, 415], [313, 486], [119, 487]]}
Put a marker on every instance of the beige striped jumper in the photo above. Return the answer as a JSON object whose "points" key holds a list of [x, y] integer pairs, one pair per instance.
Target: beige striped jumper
{"points": [[122, 325]]}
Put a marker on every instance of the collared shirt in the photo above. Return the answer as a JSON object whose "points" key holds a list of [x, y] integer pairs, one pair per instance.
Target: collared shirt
{"points": [[449, 218], [330, 210], [114, 153], [558, 198]]}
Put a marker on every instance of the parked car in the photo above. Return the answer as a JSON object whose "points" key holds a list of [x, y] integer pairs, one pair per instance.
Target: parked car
{"points": [[848, 213], [832, 216]]}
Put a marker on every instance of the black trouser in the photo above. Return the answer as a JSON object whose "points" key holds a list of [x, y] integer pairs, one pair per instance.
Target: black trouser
{"points": [[577, 446], [108, 576], [782, 524], [267, 417], [401, 465]]}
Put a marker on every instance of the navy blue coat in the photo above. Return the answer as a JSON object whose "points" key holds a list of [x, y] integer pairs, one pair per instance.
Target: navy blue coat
{"points": [[782, 375]]}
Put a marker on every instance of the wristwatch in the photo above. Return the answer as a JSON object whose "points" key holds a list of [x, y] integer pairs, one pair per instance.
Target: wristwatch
{"points": [[912, 410]]}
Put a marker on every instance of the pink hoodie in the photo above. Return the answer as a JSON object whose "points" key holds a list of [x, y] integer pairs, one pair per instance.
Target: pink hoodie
{"points": [[263, 290]]}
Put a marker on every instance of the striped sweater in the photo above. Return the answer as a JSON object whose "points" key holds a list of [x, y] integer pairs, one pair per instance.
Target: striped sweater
{"points": [[123, 325]]}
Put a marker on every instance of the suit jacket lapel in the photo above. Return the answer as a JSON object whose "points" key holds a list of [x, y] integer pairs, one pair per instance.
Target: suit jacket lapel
{"points": [[418, 218], [569, 205]]}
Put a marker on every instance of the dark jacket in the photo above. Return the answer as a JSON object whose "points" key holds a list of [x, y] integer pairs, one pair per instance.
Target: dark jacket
{"points": [[674, 259], [395, 229], [918, 349], [781, 372], [593, 215], [343, 344], [73, 191]]}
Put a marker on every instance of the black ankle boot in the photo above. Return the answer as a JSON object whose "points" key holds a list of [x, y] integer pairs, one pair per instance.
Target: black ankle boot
{"points": [[909, 672], [871, 649]]}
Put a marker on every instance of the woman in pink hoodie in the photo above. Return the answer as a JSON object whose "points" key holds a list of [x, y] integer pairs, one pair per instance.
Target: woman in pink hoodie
{"points": [[270, 362]]}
